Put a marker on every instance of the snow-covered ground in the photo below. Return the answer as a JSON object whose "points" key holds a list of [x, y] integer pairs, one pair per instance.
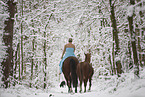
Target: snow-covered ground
{"points": [[125, 86]]}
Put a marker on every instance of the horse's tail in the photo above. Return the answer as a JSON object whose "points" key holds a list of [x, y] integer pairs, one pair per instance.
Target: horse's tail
{"points": [[73, 72]]}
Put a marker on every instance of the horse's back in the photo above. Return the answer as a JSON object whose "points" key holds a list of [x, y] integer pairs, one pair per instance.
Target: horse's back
{"points": [[67, 60]]}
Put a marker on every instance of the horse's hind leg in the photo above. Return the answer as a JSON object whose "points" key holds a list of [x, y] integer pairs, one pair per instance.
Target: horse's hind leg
{"points": [[80, 86], [90, 83], [76, 89], [85, 84], [68, 79], [69, 86]]}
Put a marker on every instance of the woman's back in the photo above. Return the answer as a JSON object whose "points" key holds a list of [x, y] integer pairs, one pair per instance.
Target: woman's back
{"points": [[69, 51], [70, 45]]}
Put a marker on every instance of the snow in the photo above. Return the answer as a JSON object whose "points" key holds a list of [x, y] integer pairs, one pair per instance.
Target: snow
{"points": [[3, 3], [125, 86], [60, 23], [130, 10]]}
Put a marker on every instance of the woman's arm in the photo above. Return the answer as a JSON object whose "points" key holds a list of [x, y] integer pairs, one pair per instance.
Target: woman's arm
{"points": [[63, 51], [74, 48]]}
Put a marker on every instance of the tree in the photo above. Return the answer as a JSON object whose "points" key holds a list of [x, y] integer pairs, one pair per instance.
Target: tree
{"points": [[45, 61], [7, 62], [47, 24], [139, 22], [32, 60], [115, 39], [22, 55], [17, 62], [133, 38]]}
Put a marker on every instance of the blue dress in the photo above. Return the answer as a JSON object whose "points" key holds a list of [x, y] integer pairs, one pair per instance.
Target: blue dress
{"points": [[69, 52]]}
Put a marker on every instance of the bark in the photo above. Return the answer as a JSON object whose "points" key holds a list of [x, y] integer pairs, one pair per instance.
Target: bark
{"points": [[7, 63], [133, 42]]}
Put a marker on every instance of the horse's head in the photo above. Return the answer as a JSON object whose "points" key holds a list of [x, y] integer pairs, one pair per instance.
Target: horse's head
{"points": [[88, 57]]}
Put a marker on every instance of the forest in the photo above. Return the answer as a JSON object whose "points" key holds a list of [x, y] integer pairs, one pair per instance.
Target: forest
{"points": [[33, 34]]}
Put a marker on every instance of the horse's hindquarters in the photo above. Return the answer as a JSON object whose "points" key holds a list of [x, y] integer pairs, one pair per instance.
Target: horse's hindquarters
{"points": [[69, 71]]}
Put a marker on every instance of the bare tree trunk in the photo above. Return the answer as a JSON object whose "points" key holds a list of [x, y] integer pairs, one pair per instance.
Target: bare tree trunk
{"points": [[111, 69], [113, 59], [45, 61], [16, 62], [22, 67], [115, 36], [133, 42], [7, 63], [45, 56], [129, 55], [32, 64], [19, 62], [139, 34], [137, 30], [33, 54]]}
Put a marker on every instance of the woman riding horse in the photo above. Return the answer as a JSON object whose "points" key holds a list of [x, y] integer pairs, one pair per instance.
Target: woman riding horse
{"points": [[68, 65], [68, 50]]}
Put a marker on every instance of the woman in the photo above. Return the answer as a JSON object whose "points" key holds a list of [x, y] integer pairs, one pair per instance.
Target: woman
{"points": [[69, 50]]}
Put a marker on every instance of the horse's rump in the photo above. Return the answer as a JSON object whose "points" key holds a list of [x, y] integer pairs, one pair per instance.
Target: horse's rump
{"points": [[83, 70], [70, 61], [69, 71]]}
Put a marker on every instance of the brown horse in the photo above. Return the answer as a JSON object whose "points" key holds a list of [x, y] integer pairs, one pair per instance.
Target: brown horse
{"points": [[85, 71], [69, 70]]}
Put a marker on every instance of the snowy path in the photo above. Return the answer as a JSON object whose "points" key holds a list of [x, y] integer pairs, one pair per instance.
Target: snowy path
{"points": [[135, 90], [125, 86]]}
